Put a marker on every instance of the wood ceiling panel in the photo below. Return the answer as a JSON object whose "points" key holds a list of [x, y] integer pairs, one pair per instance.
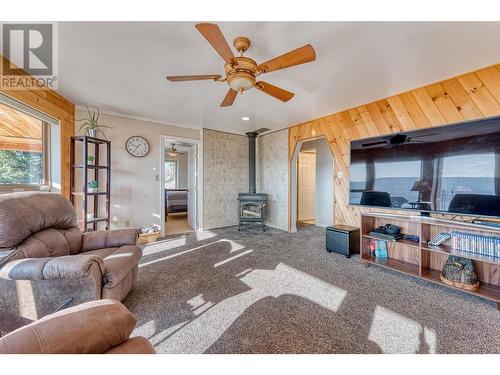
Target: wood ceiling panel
{"points": [[20, 144], [491, 79], [415, 111], [428, 106], [461, 99], [444, 104], [19, 131], [480, 95]]}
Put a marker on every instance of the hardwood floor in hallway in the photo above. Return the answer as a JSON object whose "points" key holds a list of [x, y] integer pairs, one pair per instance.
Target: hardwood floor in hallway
{"points": [[177, 223]]}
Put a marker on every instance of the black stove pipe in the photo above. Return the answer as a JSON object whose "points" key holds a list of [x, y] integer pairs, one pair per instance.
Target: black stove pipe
{"points": [[252, 136]]}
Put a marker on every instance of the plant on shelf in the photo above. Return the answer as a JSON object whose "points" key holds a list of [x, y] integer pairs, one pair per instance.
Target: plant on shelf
{"points": [[90, 160], [92, 186], [91, 125]]}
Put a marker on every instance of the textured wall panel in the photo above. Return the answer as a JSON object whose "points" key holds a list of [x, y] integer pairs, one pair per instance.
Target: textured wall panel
{"points": [[225, 174], [272, 176]]}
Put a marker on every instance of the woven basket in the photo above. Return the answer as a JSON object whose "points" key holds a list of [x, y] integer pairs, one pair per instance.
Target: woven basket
{"points": [[460, 273], [457, 284], [147, 238]]}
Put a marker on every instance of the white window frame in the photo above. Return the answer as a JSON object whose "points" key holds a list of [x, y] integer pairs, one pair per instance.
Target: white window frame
{"points": [[47, 121]]}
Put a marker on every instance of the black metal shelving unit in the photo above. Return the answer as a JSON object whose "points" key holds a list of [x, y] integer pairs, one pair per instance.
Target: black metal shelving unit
{"points": [[86, 223]]}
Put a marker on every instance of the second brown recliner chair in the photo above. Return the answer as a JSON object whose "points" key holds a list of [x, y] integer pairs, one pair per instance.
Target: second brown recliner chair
{"points": [[96, 327], [54, 264]]}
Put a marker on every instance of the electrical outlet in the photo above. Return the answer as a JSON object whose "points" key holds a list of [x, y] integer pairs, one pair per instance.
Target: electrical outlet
{"points": [[157, 177]]}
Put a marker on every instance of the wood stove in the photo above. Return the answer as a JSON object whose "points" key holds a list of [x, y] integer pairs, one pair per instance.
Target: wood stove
{"points": [[252, 205], [252, 209]]}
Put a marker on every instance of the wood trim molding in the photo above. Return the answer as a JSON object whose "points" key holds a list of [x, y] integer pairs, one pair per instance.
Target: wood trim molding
{"points": [[466, 97], [53, 104]]}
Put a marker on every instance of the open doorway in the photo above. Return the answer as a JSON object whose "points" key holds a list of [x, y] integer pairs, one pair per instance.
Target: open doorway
{"points": [[179, 185], [312, 184]]}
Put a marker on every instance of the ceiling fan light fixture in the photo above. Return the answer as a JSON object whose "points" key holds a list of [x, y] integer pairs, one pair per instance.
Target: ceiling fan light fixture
{"points": [[172, 151], [241, 81]]}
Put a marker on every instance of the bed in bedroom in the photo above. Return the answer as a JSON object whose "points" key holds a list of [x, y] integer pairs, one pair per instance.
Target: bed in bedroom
{"points": [[176, 201]]}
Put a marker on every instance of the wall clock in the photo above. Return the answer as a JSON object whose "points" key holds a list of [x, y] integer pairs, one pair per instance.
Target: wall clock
{"points": [[137, 146]]}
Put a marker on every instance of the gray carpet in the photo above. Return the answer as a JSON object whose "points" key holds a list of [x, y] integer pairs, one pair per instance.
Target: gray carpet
{"points": [[251, 292]]}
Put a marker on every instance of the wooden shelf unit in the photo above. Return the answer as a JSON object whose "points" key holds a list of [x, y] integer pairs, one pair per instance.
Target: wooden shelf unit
{"points": [[426, 262], [91, 146]]}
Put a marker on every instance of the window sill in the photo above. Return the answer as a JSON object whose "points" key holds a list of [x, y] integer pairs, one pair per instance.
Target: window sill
{"points": [[23, 187]]}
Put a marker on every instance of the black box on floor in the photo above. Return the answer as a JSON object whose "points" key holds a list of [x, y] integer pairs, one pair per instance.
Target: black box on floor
{"points": [[342, 239]]}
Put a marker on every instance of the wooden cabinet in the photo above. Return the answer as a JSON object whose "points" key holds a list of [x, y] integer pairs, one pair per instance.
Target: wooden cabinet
{"points": [[426, 262]]}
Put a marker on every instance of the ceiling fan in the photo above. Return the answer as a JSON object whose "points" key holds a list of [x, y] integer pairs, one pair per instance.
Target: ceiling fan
{"points": [[398, 139], [241, 71]]}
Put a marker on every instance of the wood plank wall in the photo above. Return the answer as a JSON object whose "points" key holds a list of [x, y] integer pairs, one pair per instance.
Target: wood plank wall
{"points": [[54, 105], [466, 97]]}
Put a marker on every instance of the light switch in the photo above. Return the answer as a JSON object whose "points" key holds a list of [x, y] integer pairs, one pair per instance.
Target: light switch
{"points": [[157, 177]]}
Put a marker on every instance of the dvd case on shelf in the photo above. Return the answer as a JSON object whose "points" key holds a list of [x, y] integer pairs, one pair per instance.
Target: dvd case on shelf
{"points": [[476, 243]]}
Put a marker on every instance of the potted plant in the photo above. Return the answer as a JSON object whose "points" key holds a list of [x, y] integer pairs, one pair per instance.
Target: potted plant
{"points": [[92, 186], [91, 125], [90, 159]]}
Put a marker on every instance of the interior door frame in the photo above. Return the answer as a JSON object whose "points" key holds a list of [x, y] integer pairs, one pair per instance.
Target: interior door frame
{"points": [[292, 182], [198, 143]]}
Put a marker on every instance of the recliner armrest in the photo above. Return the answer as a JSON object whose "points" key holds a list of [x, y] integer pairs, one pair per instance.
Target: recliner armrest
{"points": [[118, 264], [93, 327], [69, 266], [114, 238], [134, 345]]}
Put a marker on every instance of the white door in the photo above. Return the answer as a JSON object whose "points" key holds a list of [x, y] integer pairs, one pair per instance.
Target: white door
{"points": [[306, 189], [191, 186]]}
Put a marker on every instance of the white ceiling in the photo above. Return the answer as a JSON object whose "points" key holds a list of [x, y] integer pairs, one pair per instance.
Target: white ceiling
{"points": [[121, 67]]}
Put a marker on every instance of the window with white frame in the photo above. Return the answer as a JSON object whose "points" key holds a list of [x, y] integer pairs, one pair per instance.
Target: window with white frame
{"points": [[23, 141], [25, 147]]}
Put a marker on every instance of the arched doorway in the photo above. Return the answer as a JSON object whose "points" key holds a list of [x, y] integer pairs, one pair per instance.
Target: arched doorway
{"points": [[311, 192]]}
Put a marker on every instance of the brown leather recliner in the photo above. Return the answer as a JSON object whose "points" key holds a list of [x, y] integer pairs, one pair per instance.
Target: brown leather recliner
{"points": [[54, 263], [90, 328]]}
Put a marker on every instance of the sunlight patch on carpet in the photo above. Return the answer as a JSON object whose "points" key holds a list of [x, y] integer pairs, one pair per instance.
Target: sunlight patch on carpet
{"points": [[204, 330], [161, 246], [26, 300], [205, 235], [232, 258], [395, 333]]}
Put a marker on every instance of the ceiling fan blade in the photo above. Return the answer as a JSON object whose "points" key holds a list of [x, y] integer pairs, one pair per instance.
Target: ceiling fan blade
{"points": [[274, 91], [193, 77], [229, 99], [373, 143], [212, 33], [296, 57]]}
